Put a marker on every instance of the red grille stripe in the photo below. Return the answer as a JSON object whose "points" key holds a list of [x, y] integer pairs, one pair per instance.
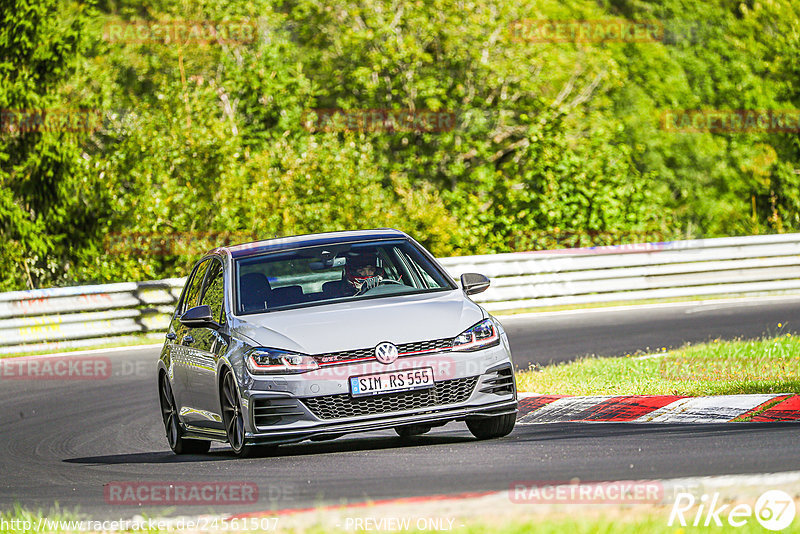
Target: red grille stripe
{"points": [[338, 362]]}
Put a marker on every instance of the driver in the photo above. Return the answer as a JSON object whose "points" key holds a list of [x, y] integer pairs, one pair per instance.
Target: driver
{"points": [[363, 273]]}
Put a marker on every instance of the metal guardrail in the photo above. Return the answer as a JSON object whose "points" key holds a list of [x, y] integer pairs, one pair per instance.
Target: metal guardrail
{"points": [[721, 266], [93, 315], [84, 315]]}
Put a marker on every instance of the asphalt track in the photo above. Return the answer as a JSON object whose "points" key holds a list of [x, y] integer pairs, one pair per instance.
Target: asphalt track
{"points": [[63, 441], [550, 338]]}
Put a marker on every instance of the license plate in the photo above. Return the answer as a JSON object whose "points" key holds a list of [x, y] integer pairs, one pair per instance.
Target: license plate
{"points": [[391, 381]]}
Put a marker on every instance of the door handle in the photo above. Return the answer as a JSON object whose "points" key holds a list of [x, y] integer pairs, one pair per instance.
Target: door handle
{"points": [[188, 339], [171, 336]]}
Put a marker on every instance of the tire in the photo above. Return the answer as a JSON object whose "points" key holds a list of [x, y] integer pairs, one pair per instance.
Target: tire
{"points": [[492, 427], [233, 419], [256, 451], [169, 415], [411, 430], [232, 416]]}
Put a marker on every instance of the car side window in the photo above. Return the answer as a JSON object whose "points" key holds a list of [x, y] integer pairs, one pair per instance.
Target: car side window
{"points": [[213, 293], [193, 291]]}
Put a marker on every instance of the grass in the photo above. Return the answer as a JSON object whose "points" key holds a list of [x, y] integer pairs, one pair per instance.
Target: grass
{"points": [[21, 519], [645, 524], [653, 522], [598, 520], [767, 365]]}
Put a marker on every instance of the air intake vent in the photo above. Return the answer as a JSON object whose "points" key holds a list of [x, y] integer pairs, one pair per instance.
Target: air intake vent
{"points": [[267, 412], [499, 382]]}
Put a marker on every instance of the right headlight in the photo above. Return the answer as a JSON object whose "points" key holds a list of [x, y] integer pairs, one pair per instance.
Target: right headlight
{"points": [[479, 336], [264, 361]]}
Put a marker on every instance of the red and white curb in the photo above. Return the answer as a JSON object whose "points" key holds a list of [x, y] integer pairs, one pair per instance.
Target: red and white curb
{"points": [[767, 407]]}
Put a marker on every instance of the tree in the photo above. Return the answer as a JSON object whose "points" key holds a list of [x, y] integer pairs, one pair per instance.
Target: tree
{"points": [[47, 202]]}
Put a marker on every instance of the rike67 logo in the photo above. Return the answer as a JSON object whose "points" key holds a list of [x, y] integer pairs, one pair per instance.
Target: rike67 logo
{"points": [[774, 510]]}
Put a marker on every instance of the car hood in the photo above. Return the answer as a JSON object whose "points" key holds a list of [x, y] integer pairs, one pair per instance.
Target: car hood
{"points": [[362, 324]]}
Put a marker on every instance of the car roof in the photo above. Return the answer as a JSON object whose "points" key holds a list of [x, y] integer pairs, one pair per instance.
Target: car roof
{"points": [[309, 240]]}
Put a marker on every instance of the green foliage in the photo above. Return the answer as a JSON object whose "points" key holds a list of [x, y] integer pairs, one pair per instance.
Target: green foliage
{"points": [[47, 199], [203, 142]]}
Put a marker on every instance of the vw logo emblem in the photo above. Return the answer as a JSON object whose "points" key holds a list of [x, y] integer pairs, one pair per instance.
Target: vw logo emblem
{"points": [[386, 353]]}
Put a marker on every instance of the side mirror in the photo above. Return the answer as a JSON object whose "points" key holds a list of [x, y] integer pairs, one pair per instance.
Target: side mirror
{"points": [[199, 317], [473, 283]]}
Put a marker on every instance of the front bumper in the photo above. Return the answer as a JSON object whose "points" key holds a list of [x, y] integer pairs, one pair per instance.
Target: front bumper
{"points": [[333, 430], [286, 409]]}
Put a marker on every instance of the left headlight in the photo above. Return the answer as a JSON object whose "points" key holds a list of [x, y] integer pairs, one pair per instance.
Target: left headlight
{"points": [[479, 336], [264, 361]]}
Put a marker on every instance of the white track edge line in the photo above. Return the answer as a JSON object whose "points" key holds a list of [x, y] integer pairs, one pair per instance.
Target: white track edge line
{"points": [[88, 351]]}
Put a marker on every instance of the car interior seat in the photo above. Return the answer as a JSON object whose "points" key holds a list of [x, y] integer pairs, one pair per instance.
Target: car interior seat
{"points": [[254, 292]]}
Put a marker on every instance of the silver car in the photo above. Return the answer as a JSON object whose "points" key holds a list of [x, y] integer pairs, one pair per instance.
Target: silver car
{"points": [[316, 336]]}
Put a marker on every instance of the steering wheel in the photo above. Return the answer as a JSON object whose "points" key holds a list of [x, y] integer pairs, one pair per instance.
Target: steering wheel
{"points": [[383, 282]]}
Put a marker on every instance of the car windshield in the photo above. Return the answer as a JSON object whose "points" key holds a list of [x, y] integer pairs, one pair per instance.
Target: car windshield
{"points": [[334, 273]]}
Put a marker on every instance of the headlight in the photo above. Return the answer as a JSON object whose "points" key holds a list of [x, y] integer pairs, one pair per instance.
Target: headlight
{"points": [[482, 335], [263, 361]]}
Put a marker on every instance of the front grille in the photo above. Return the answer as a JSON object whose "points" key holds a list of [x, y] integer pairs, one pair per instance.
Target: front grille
{"points": [[436, 344], [334, 357], [341, 406], [362, 354]]}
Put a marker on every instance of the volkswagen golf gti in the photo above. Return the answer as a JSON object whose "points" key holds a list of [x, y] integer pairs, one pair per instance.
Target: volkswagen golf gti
{"points": [[316, 336]]}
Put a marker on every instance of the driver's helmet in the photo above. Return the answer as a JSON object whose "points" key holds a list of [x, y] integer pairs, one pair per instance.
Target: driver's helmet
{"points": [[362, 271]]}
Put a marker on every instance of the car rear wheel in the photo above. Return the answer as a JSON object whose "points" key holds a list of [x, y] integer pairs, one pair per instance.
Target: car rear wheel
{"points": [[492, 427], [169, 413]]}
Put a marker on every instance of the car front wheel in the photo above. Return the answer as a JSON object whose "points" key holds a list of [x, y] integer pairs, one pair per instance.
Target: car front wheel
{"points": [[412, 430], [233, 418], [492, 427], [232, 415]]}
